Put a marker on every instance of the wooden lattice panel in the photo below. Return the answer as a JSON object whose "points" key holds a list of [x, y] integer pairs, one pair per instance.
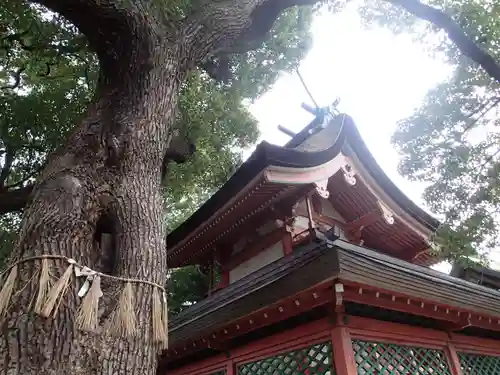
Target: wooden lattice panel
{"points": [[313, 360], [473, 364], [389, 359]]}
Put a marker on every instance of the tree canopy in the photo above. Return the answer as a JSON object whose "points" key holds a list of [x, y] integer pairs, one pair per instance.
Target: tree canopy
{"points": [[185, 287]]}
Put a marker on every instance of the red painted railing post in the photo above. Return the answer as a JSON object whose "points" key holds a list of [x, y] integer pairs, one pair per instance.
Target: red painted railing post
{"points": [[343, 353], [287, 243], [230, 370], [452, 355]]}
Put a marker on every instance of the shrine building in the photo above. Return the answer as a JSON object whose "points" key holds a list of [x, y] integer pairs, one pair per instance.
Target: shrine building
{"points": [[319, 264]]}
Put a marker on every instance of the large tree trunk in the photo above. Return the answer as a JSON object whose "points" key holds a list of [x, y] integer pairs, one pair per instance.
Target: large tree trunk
{"points": [[107, 177], [71, 197]]}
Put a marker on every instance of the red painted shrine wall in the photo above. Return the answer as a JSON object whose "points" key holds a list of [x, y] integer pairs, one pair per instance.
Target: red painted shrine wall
{"points": [[457, 354]]}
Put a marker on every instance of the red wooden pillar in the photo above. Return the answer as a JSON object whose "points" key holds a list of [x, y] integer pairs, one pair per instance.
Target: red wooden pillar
{"points": [[224, 282], [287, 243], [222, 256], [230, 370], [452, 355], [211, 276], [343, 354]]}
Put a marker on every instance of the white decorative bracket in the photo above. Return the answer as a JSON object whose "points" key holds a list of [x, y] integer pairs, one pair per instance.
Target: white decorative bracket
{"points": [[387, 214], [349, 174], [339, 289], [321, 188]]}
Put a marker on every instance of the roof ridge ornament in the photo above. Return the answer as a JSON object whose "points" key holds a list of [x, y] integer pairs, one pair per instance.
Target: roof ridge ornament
{"points": [[326, 115]]}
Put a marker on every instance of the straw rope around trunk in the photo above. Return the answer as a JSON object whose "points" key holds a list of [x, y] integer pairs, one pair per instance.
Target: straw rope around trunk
{"points": [[122, 321]]}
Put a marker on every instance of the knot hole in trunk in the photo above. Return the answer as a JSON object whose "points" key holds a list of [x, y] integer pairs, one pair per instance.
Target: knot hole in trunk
{"points": [[105, 243]]}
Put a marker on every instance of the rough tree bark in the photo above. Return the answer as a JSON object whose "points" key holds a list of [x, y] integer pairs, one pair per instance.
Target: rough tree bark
{"points": [[110, 167]]}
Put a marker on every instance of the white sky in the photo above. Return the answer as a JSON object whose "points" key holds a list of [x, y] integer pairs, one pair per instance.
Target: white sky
{"points": [[379, 78]]}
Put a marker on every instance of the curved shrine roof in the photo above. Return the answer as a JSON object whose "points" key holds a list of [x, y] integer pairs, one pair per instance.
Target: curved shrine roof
{"points": [[273, 173]]}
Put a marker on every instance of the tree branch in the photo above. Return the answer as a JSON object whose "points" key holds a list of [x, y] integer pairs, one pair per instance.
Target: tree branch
{"points": [[119, 31], [455, 33], [221, 28], [9, 159], [488, 160], [8, 40], [179, 151], [17, 79], [17, 36], [480, 112], [94, 18], [23, 181], [217, 69], [14, 200], [245, 22]]}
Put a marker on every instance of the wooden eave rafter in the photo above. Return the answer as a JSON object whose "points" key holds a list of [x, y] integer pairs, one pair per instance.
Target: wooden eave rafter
{"points": [[233, 215], [370, 218], [233, 203], [279, 311], [379, 194], [456, 303], [453, 319], [280, 182], [274, 172]]}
